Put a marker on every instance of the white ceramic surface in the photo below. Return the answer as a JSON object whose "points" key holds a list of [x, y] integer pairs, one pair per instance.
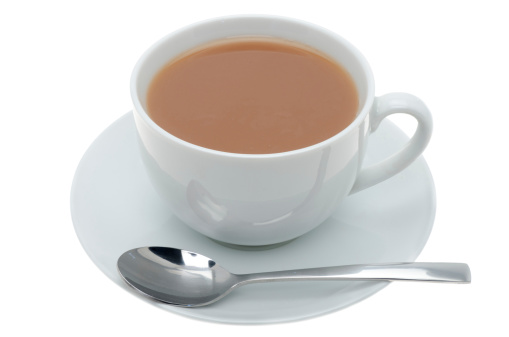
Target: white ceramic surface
{"points": [[266, 199], [115, 208]]}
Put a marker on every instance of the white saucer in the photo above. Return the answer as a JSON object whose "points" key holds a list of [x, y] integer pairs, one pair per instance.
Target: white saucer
{"points": [[114, 208]]}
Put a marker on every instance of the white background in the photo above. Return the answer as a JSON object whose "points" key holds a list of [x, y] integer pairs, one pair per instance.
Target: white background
{"points": [[64, 78]]}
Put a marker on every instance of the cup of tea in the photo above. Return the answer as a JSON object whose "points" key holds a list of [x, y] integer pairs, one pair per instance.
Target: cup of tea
{"points": [[253, 128]]}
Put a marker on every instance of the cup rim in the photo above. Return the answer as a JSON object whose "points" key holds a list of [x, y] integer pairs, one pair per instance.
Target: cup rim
{"points": [[165, 134]]}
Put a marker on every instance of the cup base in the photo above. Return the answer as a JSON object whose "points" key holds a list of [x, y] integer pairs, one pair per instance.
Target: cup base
{"points": [[252, 248]]}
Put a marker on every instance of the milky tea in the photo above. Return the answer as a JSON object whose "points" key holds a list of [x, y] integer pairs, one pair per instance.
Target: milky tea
{"points": [[253, 95]]}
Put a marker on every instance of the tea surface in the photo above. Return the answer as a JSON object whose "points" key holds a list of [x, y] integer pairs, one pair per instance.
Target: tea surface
{"points": [[253, 96]]}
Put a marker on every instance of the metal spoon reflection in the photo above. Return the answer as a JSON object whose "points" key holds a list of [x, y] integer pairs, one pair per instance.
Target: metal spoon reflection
{"points": [[187, 279]]}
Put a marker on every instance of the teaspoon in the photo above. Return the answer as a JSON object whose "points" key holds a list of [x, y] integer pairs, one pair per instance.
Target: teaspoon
{"points": [[186, 279]]}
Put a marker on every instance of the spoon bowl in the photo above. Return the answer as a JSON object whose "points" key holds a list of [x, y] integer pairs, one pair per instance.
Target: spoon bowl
{"points": [[187, 279], [175, 276]]}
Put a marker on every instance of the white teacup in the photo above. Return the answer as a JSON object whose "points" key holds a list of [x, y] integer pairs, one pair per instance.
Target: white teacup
{"points": [[261, 199]]}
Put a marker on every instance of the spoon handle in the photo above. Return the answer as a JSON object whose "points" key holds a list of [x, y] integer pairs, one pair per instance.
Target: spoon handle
{"points": [[416, 271]]}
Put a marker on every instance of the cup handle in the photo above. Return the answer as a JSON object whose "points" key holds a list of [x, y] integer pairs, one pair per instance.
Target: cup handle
{"points": [[384, 106]]}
